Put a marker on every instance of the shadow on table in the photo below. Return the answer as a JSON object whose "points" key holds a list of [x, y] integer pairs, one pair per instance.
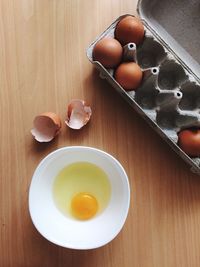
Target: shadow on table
{"points": [[49, 254], [39, 148]]}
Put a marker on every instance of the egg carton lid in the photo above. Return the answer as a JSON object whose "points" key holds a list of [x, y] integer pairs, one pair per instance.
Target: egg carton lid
{"points": [[177, 25]]}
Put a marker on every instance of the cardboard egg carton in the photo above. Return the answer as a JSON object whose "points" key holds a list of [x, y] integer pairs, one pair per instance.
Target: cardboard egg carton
{"points": [[169, 95]]}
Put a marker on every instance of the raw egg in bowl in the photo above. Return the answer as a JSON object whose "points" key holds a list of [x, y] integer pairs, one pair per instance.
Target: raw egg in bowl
{"points": [[79, 197]]}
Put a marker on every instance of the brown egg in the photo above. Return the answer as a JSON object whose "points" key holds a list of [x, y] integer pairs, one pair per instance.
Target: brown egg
{"points": [[129, 30], [108, 51], [189, 141], [129, 75]]}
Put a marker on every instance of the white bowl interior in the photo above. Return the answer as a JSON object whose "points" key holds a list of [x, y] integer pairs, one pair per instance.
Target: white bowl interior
{"points": [[66, 231]]}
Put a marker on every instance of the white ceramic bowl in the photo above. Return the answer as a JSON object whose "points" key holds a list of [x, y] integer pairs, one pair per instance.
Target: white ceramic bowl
{"points": [[67, 232]]}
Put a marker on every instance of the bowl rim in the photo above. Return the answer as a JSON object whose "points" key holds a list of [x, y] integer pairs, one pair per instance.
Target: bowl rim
{"points": [[125, 178]]}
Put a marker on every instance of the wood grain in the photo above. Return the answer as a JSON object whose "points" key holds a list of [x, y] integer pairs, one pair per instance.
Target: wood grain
{"points": [[43, 65]]}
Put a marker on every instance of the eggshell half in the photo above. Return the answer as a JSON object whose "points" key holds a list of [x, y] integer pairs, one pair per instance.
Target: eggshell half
{"points": [[46, 126], [78, 114]]}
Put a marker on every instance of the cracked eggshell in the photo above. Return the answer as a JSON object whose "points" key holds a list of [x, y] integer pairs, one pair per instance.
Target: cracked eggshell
{"points": [[46, 126], [78, 114]]}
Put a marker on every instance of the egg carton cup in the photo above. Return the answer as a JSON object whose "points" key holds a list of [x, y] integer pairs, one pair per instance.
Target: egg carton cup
{"points": [[169, 95]]}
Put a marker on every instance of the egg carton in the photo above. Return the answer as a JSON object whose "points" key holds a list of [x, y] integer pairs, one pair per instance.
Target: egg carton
{"points": [[169, 95]]}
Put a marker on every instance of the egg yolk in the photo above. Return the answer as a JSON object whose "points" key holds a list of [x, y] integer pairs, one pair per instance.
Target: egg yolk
{"points": [[84, 206]]}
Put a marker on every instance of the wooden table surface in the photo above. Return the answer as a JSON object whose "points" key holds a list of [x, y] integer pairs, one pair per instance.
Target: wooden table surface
{"points": [[43, 65]]}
